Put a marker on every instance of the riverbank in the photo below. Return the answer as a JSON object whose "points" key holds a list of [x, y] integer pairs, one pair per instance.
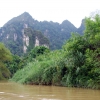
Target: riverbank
{"points": [[52, 70]]}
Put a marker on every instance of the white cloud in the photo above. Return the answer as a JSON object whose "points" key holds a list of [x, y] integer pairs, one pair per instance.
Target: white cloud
{"points": [[55, 10]]}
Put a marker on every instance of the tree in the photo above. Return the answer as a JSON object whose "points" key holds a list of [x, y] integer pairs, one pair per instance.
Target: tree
{"points": [[5, 55], [82, 57], [14, 65], [92, 32], [92, 54], [39, 50]]}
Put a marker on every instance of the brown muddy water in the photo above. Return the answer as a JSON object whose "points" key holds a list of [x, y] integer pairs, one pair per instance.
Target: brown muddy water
{"points": [[14, 91]]}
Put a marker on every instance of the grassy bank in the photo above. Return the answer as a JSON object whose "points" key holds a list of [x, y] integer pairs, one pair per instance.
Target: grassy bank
{"points": [[55, 69], [43, 70]]}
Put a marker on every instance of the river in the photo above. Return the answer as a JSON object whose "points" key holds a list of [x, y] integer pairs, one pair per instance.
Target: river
{"points": [[15, 91]]}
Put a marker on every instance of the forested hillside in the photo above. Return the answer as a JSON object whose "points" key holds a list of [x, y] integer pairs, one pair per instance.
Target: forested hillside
{"points": [[18, 35], [12, 33]]}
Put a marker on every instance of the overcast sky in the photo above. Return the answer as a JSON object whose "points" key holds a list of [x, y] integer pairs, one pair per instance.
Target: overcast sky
{"points": [[50, 10]]}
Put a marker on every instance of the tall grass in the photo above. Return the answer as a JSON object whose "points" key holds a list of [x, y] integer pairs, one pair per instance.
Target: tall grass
{"points": [[43, 70]]}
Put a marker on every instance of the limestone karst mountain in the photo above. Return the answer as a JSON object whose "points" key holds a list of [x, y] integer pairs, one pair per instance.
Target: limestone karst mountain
{"points": [[19, 37], [50, 34]]}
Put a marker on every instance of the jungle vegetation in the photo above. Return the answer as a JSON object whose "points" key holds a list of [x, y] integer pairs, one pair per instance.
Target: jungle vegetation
{"points": [[77, 64], [5, 55]]}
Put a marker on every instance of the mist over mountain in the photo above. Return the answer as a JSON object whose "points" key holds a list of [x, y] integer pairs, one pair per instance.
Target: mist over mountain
{"points": [[51, 34]]}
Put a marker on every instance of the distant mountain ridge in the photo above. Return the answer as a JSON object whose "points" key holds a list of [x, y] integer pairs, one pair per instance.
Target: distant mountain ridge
{"points": [[81, 29], [56, 33]]}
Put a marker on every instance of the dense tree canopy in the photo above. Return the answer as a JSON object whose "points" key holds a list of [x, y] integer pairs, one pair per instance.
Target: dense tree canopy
{"points": [[82, 56]]}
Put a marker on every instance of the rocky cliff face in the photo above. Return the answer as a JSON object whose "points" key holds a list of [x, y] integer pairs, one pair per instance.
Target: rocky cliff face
{"points": [[33, 38], [25, 42], [18, 37]]}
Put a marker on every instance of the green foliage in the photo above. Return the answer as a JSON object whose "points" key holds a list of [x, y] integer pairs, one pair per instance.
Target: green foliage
{"points": [[38, 50], [14, 65], [5, 55], [82, 57], [16, 48], [43, 70]]}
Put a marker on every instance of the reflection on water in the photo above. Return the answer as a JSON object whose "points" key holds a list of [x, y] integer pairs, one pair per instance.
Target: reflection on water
{"points": [[14, 91]]}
